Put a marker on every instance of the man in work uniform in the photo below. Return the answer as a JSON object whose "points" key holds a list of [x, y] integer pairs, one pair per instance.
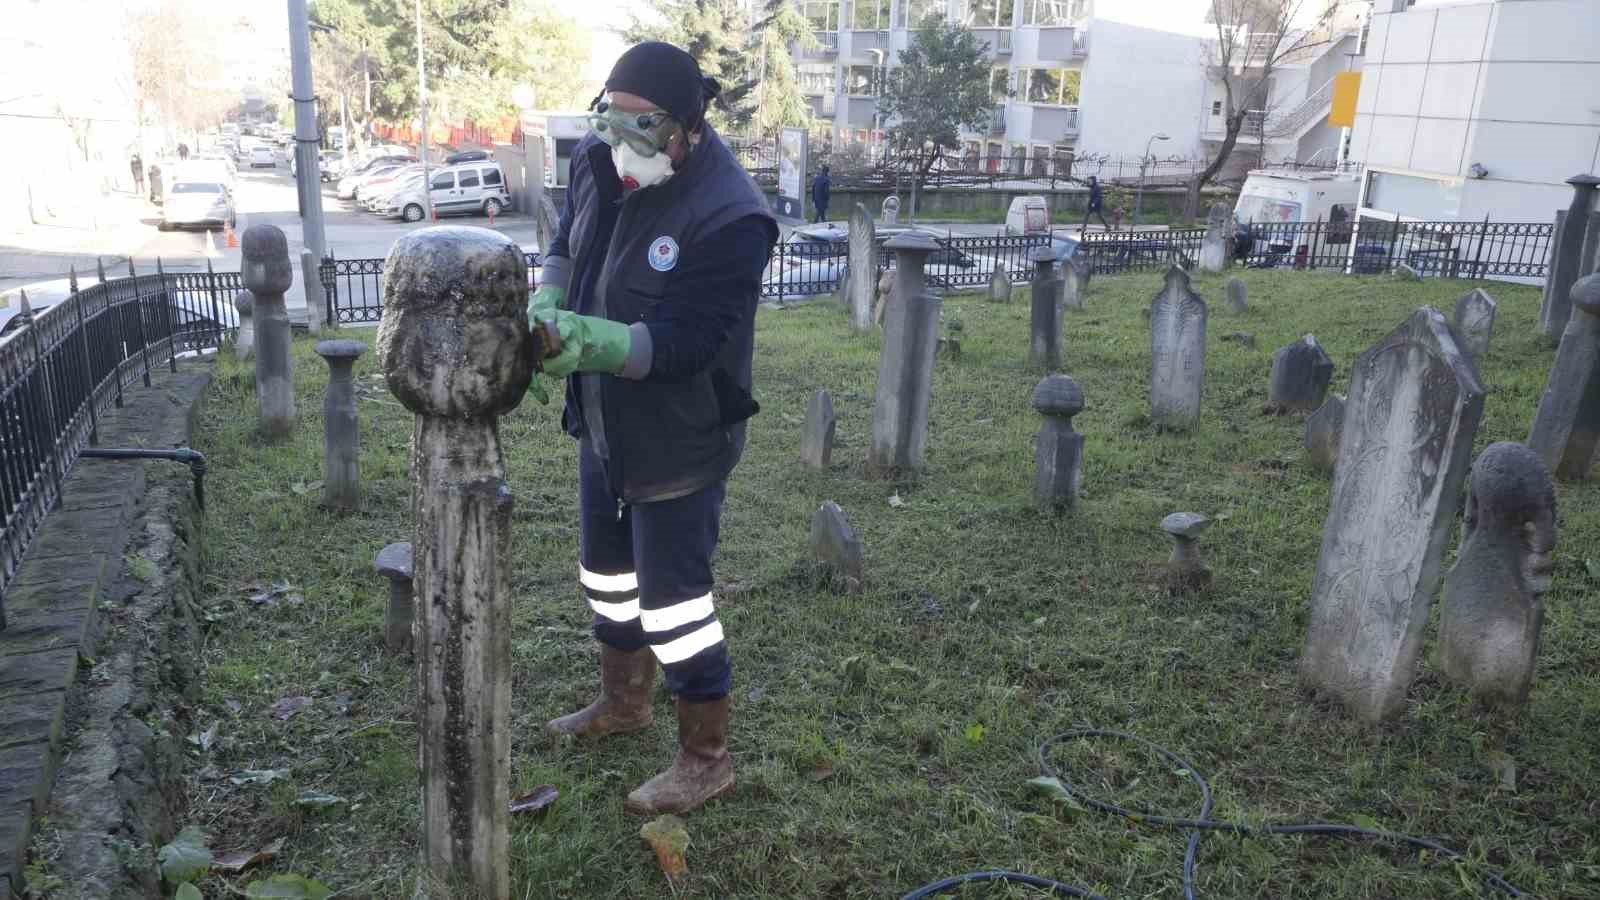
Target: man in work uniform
{"points": [[651, 283]]}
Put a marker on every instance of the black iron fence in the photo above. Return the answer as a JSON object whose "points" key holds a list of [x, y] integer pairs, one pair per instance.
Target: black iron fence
{"points": [[352, 289], [1364, 247], [803, 268], [63, 363]]}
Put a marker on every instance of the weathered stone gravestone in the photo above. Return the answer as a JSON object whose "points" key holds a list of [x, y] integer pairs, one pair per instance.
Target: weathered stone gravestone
{"points": [[816, 442], [999, 284], [456, 350], [863, 265], [891, 210], [1414, 407], [1214, 246], [1058, 451], [394, 563], [1566, 428], [341, 431], [1186, 571], [1566, 252], [1177, 353], [1489, 627], [266, 274], [1322, 433], [1237, 296], [1301, 372], [835, 544], [1474, 321], [311, 280], [905, 366], [1044, 344], [1405, 272], [885, 294], [244, 342], [1075, 284]]}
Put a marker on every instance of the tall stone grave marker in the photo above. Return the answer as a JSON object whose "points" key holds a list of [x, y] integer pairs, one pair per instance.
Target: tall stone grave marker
{"points": [[835, 544], [1414, 407], [999, 284], [816, 442], [1300, 375], [266, 274], [394, 563], [1044, 344], [311, 280], [341, 431], [1566, 253], [1177, 353], [1058, 452], [1214, 246], [1474, 321], [1075, 283], [1238, 297], [1566, 429], [1489, 627], [863, 268], [905, 368], [891, 210], [456, 350], [244, 343], [1323, 428]]}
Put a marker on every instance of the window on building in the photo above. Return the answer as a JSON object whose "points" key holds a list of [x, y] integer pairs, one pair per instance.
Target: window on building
{"points": [[862, 81], [1051, 12], [999, 83], [822, 14], [1216, 107], [913, 13], [988, 14], [816, 78], [1054, 87], [870, 15]]}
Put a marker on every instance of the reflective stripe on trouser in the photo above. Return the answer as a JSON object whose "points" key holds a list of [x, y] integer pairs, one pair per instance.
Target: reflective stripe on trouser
{"points": [[646, 574]]}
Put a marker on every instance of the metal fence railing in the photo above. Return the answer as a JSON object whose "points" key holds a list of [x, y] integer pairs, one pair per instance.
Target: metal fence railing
{"points": [[352, 289], [1363, 247], [805, 268], [62, 364]]}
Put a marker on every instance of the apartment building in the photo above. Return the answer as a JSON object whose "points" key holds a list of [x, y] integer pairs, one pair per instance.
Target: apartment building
{"points": [[1475, 109], [1068, 82]]}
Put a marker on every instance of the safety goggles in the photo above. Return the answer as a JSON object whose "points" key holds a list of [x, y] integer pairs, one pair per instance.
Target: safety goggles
{"points": [[647, 133]]}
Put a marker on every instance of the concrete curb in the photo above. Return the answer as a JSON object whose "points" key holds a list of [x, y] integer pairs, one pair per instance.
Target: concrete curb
{"points": [[84, 575]]}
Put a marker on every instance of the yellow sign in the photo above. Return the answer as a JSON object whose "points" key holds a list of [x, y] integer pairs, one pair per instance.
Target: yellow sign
{"points": [[1346, 89]]}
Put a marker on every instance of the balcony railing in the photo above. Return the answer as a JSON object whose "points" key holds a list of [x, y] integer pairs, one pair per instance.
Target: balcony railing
{"points": [[1080, 43], [827, 45], [997, 120], [1002, 41]]}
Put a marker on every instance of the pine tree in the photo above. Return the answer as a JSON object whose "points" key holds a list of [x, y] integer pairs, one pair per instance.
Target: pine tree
{"points": [[778, 99], [715, 33]]}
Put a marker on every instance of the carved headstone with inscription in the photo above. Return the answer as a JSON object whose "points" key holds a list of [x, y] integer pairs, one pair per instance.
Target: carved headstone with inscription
{"points": [[1238, 301], [1177, 353], [1214, 246], [1474, 321], [816, 441], [999, 284], [1300, 375], [1075, 283], [1566, 428], [863, 263], [1414, 406]]}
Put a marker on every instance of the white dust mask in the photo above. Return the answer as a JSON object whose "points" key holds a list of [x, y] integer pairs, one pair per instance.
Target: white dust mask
{"points": [[639, 171]]}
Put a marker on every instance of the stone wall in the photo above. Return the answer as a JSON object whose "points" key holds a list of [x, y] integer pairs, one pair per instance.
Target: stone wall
{"points": [[99, 661]]}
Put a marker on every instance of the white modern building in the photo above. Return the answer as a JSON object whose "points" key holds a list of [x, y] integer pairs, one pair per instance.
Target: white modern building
{"points": [[1478, 109]]}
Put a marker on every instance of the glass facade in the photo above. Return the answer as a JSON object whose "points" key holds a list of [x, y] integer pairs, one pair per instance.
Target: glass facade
{"points": [[1053, 87], [822, 14], [988, 14], [870, 15]]}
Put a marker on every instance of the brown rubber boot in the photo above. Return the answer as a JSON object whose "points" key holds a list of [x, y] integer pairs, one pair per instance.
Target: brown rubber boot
{"points": [[624, 705], [703, 769]]}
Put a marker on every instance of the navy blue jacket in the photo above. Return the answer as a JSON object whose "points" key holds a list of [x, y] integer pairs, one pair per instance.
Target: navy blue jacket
{"points": [[672, 421], [1094, 196], [821, 189]]}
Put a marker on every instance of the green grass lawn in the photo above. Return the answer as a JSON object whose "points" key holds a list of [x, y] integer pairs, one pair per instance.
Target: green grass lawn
{"points": [[886, 740]]}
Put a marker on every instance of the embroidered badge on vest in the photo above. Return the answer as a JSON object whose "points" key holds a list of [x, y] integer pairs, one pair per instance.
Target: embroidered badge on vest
{"points": [[663, 254]]}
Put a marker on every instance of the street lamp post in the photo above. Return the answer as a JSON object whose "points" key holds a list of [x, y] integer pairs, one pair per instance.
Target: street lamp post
{"points": [[422, 98], [1144, 161]]}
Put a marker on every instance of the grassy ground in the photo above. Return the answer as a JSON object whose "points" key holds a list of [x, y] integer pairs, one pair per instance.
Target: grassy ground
{"points": [[885, 740]]}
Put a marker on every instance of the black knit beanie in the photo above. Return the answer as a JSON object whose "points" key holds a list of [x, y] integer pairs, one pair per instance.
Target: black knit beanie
{"points": [[666, 76]]}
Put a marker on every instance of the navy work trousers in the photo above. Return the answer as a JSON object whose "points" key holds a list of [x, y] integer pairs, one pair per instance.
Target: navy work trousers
{"points": [[646, 572]]}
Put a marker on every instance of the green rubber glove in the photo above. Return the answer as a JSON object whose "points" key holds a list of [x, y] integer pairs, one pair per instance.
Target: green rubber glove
{"points": [[588, 344], [543, 303]]}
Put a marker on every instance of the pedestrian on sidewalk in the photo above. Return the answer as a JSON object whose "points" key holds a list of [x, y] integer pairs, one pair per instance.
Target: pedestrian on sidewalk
{"points": [[1095, 207], [136, 165], [821, 190]]}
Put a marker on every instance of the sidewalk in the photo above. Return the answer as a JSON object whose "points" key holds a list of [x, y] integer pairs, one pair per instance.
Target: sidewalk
{"points": [[48, 251]]}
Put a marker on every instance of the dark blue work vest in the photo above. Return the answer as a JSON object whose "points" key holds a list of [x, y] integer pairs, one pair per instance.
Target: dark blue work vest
{"points": [[660, 439]]}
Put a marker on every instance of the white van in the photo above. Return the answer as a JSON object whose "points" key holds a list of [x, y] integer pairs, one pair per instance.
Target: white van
{"points": [[465, 189], [1275, 196], [1028, 215]]}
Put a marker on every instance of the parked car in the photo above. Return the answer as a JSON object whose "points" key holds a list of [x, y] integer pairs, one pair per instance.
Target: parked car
{"points": [[375, 198], [815, 259], [263, 156], [377, 165], [466, 156], [379, 185], [459, 190], [204, 203]]}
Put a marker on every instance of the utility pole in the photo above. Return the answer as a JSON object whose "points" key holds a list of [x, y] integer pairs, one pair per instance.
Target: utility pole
{"points": [[422, 99], [306, 142]]}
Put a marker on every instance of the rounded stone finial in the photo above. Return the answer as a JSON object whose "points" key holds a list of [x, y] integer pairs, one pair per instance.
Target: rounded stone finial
{"points": [[1510, 483], [916, 241], [1186, 525], [340, 349], [1040, 255], [454, 337], [244, 302], [394, 561], [266, 268], [1586, 294], [1057, 395]]}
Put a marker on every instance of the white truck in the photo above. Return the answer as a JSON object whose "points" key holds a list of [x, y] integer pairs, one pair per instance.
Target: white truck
{"points": [[1274, 196]]}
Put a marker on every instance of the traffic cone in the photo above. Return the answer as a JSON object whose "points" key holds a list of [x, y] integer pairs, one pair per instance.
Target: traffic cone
{"points": [[491, 216], [233, 239], [434, 211]]}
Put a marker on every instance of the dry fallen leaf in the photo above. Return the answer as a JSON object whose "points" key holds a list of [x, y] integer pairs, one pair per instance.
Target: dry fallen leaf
{"points": [[234, 863], [535, 800], [667, 836], [822, 772], [288, 706]]}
